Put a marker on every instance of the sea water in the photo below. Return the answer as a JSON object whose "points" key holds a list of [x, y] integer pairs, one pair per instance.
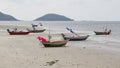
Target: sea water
{"points": [[80, 27]]}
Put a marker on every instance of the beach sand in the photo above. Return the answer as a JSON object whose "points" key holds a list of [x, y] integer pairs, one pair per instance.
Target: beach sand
{"points": [[25, 51]]}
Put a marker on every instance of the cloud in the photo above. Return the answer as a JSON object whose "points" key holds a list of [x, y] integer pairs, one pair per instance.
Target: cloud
{"points": [[76, 9]]}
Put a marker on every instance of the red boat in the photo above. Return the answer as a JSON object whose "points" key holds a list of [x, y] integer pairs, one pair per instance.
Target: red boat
{"points": [[18, 32]]}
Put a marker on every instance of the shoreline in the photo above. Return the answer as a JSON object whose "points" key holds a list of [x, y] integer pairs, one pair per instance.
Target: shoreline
{"points": [[25, 51]]}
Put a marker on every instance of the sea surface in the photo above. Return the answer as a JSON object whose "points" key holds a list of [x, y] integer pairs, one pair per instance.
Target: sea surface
{"points": [[111, 42]]}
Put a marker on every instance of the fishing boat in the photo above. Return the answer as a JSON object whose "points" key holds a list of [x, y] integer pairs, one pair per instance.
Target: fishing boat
{"points": [[102, 33], [36, 31], [79, 38], [60, 43], [74, 38], [46, 43], [18, 32]]}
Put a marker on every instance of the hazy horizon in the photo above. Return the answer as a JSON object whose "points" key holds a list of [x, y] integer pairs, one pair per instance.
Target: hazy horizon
{"points": [[91, 10]]}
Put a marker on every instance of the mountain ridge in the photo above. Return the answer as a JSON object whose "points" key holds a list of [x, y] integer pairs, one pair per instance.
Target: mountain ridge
{"points": [[53, 17], [6, 17]]}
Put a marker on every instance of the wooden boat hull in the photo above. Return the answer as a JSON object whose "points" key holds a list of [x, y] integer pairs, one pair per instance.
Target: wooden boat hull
{"points": [[19, 33], [36, 31], [55, 44], [102, 33], [81, 38]]}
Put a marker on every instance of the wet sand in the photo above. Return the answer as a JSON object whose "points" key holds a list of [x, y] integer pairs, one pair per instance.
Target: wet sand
{"points": [[25, 51]]}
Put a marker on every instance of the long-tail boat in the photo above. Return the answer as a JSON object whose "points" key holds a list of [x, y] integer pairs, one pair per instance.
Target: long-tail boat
{"points": [[36, 31], [60, 43], [102, 33], [18, 32], [46, 43], [79, 38]]}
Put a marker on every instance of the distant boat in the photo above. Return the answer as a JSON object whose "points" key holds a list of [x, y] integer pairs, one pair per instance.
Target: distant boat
{"points": [[80, 38], [18, 32], [36, 31], [55, 43], [102, 33]]}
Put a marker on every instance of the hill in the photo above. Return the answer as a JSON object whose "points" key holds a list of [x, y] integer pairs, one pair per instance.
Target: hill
{"points": [[53, 17], [5, 17]]}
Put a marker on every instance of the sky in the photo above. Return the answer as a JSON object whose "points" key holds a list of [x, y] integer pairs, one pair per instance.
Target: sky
{"points": [[98, 10]]}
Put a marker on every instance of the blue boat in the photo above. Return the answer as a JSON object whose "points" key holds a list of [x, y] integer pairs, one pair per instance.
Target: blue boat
{"points": [[79, 38]]}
